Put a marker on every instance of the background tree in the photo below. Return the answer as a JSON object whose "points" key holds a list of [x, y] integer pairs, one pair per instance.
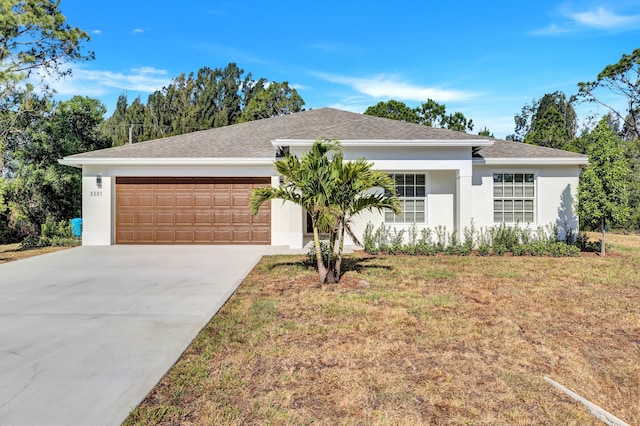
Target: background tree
{"points": [[198, 101], [39, 188], [621, 79], [394, 110], [430, 113], [273, 100], [34, 36], [550, 121], [486, 132], [603, 197]]}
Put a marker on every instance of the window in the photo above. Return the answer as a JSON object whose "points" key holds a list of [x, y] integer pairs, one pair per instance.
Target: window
{"points": [[513, 197], [412, 191]]}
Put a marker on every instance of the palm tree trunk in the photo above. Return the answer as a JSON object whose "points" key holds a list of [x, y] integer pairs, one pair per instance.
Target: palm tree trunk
{"points": [[322, 270], [338, 266]]}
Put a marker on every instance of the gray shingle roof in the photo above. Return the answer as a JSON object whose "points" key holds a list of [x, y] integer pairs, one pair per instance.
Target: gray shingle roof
{"points": [[253, 139]]}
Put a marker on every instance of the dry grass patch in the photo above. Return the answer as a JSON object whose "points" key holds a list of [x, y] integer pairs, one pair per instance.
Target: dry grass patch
{"points": [[415, 340], [10, 252]]}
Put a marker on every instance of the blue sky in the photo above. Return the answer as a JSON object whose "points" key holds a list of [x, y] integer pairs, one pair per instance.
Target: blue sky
{"points": [[485, 59]]}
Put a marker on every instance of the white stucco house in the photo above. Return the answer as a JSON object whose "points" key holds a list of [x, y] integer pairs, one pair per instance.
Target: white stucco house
{"points": [[195, 188]]}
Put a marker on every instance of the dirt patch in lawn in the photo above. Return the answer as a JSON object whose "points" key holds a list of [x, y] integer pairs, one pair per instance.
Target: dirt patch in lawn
{"points": [[11, 252], [414, 340]]}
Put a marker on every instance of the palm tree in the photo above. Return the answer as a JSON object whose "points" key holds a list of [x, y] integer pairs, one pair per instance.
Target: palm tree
{"points": [[360, 188], [308, 182], [332, 192]]}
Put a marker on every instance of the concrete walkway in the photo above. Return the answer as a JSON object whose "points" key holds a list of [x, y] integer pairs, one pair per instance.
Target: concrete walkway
{"points": [[86, 333]]}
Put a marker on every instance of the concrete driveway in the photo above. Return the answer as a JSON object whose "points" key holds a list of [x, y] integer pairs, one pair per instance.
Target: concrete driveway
{"points": [[86, 333]]}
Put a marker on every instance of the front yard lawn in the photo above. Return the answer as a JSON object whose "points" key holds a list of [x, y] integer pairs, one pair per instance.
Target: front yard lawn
{"points": [[10, 252], [416, 340]]}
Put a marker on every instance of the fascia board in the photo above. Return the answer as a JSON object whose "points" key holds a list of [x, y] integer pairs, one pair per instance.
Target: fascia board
{"points": [[549, 161], [390, 142], [79, 162]]}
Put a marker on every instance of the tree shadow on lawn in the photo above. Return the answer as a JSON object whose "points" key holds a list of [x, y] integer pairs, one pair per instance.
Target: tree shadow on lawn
{"points": [[349, 264]]}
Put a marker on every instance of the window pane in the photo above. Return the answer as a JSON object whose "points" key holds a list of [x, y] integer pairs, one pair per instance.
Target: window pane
{"points": [[528, 217], [518, 205], [508, 192], [497, 205], [420, 217], [508, 177], [497, 177], [409, 206], [399, 179], [519, 177], [497, 217], [410, 179], [400, 191], [508, 205], [517, 191], [389, 216], [528, 191], [528, 205], [508, 217], [528, 177], [410, 192], [410, 217], [420, 191], [518, 217], [497, 191], [420, 205], [420, 180]]}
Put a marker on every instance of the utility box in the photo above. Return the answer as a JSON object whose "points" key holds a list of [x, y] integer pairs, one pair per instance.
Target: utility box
{"points": [[76, 227]]}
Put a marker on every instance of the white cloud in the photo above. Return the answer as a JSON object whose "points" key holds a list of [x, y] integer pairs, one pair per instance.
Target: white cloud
{"points": [[96, 32], [137, 31], [602, 18], [87, 82], [391, 87], [599, 18], [552, 29]]}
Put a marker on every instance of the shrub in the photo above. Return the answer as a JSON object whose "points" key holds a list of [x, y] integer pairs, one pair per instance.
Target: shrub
{"points": [[324, 249], [31, 242], [519, 250], [484, 249], [499, 249], [369, 240]]}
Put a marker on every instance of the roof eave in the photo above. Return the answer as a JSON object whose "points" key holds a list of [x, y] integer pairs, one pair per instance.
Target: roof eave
{"points": [[205, 161], [538, 161], [390, 142]]}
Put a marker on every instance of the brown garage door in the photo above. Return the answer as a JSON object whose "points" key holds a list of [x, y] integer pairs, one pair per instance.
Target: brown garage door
{"points": [[160, 210]]}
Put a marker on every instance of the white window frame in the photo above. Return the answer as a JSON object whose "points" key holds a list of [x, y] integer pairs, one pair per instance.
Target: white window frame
{"points": [[413, 200], [515, 202]]}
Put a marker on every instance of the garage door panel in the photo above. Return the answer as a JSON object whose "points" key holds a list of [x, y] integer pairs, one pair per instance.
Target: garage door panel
{"points": [[260, 236], [128, 218], [145, 217], [183, 218], [222, 217], [261, 219], [190, 211], [164, 200], [201, 200], [203, 218], [145, 235], [183, 236]]}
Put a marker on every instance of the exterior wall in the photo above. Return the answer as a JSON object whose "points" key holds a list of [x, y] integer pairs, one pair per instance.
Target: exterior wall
{"points": [[97, 207], [457, 192], [555, 188]]}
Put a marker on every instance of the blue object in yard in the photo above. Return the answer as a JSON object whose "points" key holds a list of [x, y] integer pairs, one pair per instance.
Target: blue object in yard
{"points": [[76, 227]]}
